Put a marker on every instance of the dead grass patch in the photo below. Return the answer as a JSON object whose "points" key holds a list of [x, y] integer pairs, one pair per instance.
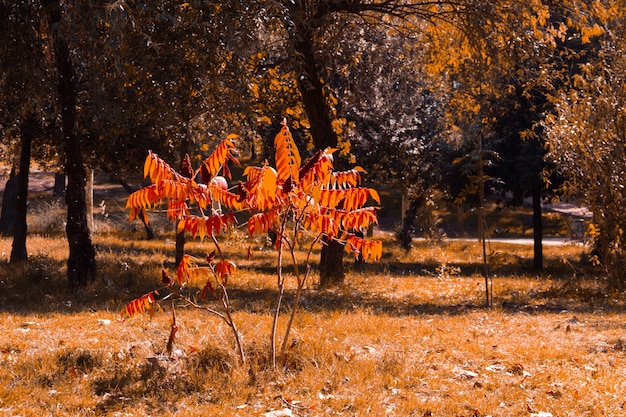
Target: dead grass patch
{"points": [[407, 337]]}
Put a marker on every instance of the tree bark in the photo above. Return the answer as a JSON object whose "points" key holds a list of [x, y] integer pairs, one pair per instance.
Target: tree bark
{"points": [[406, 234], [537, 229], [332, 273], [18, 250], [180, 236], [121, 181], [89, 200], [81, 264], [59, 185], [324, 136], [8, 213], [313, 98]]}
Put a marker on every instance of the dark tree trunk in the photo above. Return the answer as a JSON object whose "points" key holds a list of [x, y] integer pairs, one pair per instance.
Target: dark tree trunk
{"points": [[81, 264], [130, 190], [331, 264], [18, 250], [537, 229], [9, 208], [180, 245], [59, 185], [405, 236], [180, 236], [313, 98], [324, 136]]}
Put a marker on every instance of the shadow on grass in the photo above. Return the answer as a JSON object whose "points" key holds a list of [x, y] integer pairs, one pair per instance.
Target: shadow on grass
{"points": [[345, 301], [40, 286]]}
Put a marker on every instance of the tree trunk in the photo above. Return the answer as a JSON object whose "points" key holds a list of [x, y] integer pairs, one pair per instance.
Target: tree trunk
{"points": [[537, 229], [180, 236], [9, 197], [59, 185], [18, 250], [331, 264], [313, 98], [130, 190], [324, 136], [81, 264], [406, 234], [89, 200]]}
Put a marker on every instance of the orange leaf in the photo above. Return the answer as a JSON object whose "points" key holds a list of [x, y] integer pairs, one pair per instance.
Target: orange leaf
{"points": [[204, 226], [354, 220], [177, 210], [317, 171], [145, 198], [157, 169], [224, 269], [226, 198], [218, 159], [183, 271], [287, 156], [346, 179], [262, 190], [370, 250], [262, 222], [141, 304]]}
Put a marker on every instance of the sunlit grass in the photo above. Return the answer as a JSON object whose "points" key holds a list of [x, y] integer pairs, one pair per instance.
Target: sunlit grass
{"points": [[407, 336]]}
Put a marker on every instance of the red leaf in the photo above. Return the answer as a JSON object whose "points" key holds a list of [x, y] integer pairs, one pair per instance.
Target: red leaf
{"points": [[224, 269], [165, 278], [141, 304], [173, 330], [208, 286], [183, 270]]}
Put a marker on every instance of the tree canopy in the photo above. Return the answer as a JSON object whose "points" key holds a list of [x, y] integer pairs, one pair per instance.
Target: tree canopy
{"points": [[410, 89]]}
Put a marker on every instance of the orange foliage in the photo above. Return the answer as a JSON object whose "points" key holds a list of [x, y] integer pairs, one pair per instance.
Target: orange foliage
{"points": [[141, 304], [287, 155], [323, 201], [204, 226], [369, 250], [326, 202], [262, 222], [291, 197], [217, 160], [179, 191]]}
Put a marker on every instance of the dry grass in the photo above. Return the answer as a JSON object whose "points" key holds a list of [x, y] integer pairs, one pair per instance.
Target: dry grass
{"points": [[406, 337]]}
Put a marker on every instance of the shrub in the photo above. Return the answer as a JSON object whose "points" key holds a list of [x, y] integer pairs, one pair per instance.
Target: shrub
{"points": [[296, 203]]}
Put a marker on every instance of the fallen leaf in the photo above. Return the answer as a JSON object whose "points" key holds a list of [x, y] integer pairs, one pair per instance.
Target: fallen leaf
{"points": [[464, 373], [496, 368], [285, 412]]}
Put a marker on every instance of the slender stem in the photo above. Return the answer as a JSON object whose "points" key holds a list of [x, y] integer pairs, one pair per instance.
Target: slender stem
{"points": [[226, 303], [481, 219], [193, 304], [217, 245], [301, 282], [281, 288], [295, 301]]}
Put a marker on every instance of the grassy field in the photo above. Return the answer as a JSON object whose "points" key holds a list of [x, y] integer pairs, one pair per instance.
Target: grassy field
{"points": [[407, 337]]}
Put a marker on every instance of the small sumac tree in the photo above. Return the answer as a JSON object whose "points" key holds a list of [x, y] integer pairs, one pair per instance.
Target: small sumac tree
{"points": [[183, 193], [301, 204]]}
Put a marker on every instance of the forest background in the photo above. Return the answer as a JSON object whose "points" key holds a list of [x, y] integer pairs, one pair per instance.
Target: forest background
{"points": [[452, 103], [445, 101]]}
